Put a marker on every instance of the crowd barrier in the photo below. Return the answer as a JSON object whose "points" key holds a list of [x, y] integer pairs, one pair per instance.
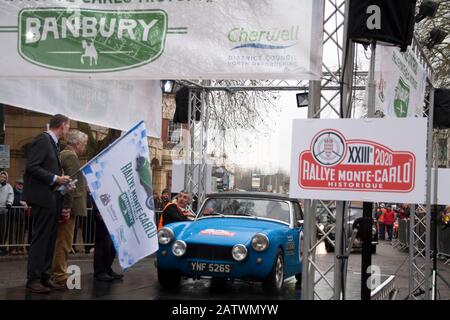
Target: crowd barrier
{"points": [[443, 234], [403, 233], [16, 230], [444, 243]]}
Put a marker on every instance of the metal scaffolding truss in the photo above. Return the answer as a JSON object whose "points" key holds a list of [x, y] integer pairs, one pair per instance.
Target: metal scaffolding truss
{"points": [[339, 77], [196, 155], [324, 102]]}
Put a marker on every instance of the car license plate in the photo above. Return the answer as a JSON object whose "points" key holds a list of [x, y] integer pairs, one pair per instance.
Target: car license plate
{"points": [[210, 267]]}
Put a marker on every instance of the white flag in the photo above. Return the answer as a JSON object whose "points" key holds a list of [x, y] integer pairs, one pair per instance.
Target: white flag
{"points": [[121, 185]]}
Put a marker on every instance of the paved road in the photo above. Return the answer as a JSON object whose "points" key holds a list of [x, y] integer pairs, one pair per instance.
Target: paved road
{"points": [[141, 283]]}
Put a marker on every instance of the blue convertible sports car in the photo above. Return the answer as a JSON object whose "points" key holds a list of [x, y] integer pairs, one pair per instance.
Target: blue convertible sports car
{"points": [[251, 236]]}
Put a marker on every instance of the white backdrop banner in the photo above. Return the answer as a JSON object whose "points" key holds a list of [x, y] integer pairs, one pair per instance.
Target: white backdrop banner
{"points": [[107, 103], [401, 82], [179, 170], [359, 160], [197, 39], [443, 186], [120, 182]]}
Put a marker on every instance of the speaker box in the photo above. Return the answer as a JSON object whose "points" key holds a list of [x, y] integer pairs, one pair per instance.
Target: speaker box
{"points": [[182, 106], [390, 22], [441, 117]]}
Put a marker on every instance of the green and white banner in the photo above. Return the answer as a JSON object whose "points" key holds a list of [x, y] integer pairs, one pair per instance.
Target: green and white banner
{"points": [[108, 103], [120, 182], [163, 39], [401, 82]]}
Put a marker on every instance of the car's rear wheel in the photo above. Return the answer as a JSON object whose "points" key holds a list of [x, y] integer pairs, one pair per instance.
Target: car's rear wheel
{"points": [[274, 281], [169, 279]]}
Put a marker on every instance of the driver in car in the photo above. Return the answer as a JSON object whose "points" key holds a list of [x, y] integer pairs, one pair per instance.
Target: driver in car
{"points": [[176, 211]]}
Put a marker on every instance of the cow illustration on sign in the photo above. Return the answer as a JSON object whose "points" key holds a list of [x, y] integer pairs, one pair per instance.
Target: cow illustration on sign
{"points": [[89, 52]]}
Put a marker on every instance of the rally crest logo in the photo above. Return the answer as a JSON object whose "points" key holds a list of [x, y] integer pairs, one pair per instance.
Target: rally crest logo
{"points": [[334, 163], [105, 199], [87, 40]]}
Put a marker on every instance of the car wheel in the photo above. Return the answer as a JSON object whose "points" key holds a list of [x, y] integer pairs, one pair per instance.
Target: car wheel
{"points": [[374, 249], [169, 279], [274, 281]]}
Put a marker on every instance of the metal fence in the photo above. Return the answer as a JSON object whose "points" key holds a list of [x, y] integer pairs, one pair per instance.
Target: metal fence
{"points": [[16, 230], [444, 243], [403, 234], [402, 242]]}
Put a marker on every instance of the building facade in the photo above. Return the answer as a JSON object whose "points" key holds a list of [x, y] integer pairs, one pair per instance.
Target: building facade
{"points": [[21, 126]]}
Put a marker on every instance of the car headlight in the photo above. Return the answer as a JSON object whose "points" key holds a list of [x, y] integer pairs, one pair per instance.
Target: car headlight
{"points": [[260, 242], [165, 236], [179, 248], [374, 231], [239, 252]]}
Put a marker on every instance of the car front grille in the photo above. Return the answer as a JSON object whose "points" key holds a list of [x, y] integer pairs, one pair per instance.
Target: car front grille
{"points": [[208, 252]]}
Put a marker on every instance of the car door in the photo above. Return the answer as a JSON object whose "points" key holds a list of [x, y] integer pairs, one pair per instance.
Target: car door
{"points": [[293, 255], [298, 214]]}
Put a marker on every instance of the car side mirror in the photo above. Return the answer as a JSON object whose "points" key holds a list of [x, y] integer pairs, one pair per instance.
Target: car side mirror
{"points": [[300, 223]]}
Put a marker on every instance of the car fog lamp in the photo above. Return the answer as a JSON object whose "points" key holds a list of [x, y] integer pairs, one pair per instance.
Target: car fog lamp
{"points": [[179, 248], [165, 236], [239, 252], [260, 242]]}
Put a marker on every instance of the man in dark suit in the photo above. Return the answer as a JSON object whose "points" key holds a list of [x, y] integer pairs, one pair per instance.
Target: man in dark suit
{"points": [[43, 174]]}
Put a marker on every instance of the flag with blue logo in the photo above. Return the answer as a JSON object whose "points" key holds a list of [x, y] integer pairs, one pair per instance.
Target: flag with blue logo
{"points": [[120, 182]]}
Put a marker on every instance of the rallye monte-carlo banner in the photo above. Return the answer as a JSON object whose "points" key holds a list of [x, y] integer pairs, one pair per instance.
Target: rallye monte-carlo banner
{"points": [[164, 39], [120, 182], [359, 160]]}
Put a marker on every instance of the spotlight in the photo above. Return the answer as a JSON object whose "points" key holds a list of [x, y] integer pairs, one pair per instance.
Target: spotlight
{"points": [[437, 36], [427, 9], [302, 100], [167, 86]]}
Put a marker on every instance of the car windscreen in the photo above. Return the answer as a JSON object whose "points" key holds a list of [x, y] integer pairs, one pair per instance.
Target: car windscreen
{"points": [[262, 208]]}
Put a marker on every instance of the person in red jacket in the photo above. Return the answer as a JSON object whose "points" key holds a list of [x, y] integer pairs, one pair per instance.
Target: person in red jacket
{"points": [[389, 219]]}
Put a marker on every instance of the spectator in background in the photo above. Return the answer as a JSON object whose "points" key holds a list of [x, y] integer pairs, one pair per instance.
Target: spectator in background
{"points": [[73, 204], [403, 211], [18, 219], [389, 219], [157, 201], [165, 198], [18, 188], [380, 218], [446, 218], [6, 201]]}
